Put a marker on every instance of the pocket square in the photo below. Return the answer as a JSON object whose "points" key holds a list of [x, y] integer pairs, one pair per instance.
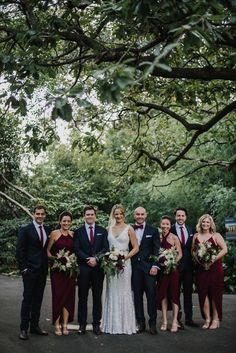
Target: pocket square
{"points": [[98, 233], [148, 236]]}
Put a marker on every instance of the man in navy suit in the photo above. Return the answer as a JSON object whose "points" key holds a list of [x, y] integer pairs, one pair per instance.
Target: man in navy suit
{"points": [[31, 254], [185, 236], [144, 271], [90, 241]]}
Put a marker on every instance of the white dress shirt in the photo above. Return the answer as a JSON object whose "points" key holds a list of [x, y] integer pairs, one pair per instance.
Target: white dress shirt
{"points": [[139, 233], [87, 227], [38, 231], [178, 230]]}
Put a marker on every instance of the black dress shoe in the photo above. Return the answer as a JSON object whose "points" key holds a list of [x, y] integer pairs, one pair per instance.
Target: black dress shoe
{"points": [[37, 331], [191, 323], [141, 328], [82, 330], [23, 335], [180, 325], [96, 330], [153, 330]]}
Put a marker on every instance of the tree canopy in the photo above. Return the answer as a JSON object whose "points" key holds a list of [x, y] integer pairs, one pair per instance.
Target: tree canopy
{"points": [[149, 83]]}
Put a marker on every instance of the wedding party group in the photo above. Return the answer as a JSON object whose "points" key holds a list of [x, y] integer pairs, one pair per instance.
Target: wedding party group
{"points": [[135, 260]]}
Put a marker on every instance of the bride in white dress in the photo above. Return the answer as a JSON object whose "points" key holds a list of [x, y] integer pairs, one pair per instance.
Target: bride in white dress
{"points": [[118, 310]]}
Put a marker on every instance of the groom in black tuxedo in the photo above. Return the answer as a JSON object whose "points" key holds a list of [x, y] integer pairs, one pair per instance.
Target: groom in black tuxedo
{"points": [[90, 241], [144, 271], [185, 235], [31, 254]]}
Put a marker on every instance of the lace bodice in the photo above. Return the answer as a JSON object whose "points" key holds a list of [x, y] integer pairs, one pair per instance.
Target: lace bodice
{"points": [[121, 241]]}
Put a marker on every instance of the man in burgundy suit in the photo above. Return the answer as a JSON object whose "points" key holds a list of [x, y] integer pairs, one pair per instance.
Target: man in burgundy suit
{"points": [[185, 235]]}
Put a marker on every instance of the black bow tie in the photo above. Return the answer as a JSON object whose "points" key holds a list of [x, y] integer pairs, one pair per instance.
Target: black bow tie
{"points": [[138, 226]]}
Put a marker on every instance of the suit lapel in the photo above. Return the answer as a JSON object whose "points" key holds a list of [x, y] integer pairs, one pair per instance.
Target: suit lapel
{"points": [[145, 231], [35, 233], [85, 235]]}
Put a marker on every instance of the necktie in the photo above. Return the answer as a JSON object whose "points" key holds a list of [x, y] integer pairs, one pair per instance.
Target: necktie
{"points": [[138, 226], [182, 235], [91, 236], [41, 234]]}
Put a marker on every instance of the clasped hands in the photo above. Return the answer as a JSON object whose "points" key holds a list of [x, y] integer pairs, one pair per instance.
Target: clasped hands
{"points": [[91, 261]]}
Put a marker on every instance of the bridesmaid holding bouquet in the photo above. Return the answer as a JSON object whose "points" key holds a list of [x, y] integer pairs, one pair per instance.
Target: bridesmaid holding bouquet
{"points": [[208, 248], [63, 274]]}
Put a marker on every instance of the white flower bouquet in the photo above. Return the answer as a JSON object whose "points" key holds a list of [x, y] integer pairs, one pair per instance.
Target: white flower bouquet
{"points": [[113, 262], [168, 259], [205, 254], [65, 262]]}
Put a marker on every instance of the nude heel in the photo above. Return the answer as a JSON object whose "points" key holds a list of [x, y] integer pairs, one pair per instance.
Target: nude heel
{"points": [[174, 327], [65, 330], [206, 324], [164, 326], [214, 324], [58, 330]]}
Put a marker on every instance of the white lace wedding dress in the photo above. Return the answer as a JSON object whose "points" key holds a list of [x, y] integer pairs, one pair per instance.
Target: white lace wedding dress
{"points": [[118, 309]]}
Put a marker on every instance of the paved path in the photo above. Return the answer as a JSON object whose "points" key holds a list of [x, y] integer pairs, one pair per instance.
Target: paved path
{"points": [[191, 340]]}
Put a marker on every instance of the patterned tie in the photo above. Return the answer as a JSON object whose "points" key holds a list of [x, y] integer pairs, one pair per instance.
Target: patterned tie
{"points": [[41, 234], [91, 236], [138, 226], [182, 235]]}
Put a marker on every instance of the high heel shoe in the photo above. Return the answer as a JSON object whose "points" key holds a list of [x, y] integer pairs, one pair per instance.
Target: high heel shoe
{"points": [[58, 330], [174, 327], [206, 324], [65, 330], [164, 326], [214, 324]]}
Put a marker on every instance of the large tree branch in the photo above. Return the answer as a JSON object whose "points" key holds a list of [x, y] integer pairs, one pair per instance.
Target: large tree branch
{"points": [[173, 161], [16, 188], [191, 126], [6, 197]]}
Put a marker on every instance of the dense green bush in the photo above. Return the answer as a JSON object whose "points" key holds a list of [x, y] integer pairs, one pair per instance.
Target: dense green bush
{"points": [[8, 237], [230, 268]]}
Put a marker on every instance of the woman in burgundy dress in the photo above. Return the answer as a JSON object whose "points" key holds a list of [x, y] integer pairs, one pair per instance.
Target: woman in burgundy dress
{"points": [[210, 274], [168, 287], [63, 286]]}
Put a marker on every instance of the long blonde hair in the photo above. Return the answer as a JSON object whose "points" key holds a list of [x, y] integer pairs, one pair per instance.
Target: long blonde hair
{"points": [[117, 206], [199, 224]]}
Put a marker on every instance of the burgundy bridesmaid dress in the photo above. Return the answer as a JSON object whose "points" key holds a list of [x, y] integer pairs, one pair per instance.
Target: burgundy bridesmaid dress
{"points": [[168, 285], [63, 286], [210, 283]]}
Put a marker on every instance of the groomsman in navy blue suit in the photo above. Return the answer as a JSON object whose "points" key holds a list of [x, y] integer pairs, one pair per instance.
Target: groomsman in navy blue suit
{"points": [[144, 271], [31, 254], [90, 241], [185, 235]]}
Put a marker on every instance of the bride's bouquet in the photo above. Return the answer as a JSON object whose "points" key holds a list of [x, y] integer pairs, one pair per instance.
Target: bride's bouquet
{"points": [[168, 259], [65, 262], [205, 254], [113, 262]]}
